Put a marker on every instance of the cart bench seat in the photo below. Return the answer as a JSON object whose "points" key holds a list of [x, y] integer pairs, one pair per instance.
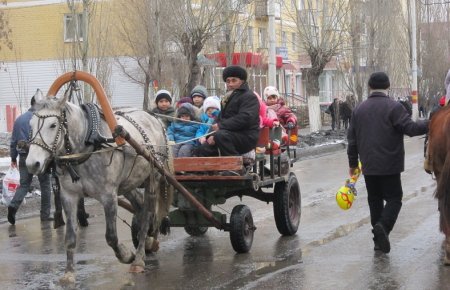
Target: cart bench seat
{"points": [[208, 168]]}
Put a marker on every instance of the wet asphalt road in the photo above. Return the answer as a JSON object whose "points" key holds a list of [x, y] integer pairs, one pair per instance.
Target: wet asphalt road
{"points": [[333, 248]]}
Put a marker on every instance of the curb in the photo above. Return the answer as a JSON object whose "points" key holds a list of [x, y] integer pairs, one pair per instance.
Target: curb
{"points": [[310, 152]]}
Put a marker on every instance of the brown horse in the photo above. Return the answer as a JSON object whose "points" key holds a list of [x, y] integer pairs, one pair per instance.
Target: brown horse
{"points": [[439, 152]]}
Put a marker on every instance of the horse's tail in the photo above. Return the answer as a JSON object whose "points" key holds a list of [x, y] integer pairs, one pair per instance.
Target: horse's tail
{"points": [[443, 196]]}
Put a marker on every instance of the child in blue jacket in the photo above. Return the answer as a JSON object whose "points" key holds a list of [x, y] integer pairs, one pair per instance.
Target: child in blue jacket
{"points": [[211, 109], [181, 134]]}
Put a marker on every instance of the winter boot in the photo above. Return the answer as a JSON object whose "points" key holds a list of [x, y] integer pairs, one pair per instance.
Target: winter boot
{"points": [[381, 238], [12, 215]]}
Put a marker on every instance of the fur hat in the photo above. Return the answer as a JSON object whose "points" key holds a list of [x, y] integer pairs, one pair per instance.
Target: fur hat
{"points": [[271, 91], [211, 102], [163, 94], [379, 81], [234, 71], [199, 90], [186, 109]]}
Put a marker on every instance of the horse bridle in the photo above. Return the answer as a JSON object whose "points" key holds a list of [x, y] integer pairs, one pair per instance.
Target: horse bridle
{"points": [[37, 138]]}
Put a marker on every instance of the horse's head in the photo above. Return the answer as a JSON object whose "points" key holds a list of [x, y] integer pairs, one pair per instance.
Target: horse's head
{"points": [[47, 132]]}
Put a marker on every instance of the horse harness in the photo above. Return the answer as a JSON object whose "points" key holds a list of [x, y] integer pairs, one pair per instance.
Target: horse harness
{"points": [[93, 137]]}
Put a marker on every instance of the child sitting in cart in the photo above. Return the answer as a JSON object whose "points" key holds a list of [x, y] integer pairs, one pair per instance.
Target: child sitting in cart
{"points": [[164, 107], [287, 119], [211, 109], [181, 133]]}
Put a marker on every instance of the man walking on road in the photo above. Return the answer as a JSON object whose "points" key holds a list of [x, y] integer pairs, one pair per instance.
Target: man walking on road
{"points": [[375, 136], [18, 147]]}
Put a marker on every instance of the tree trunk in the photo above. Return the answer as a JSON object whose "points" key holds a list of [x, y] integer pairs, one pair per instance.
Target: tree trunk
{"points": [[145, 103]]}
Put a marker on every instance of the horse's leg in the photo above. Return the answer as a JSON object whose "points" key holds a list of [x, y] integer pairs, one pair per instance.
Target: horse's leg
{"points": [[58, 215], [69, 202], [122, 252], [81, 213], [146, 213]]}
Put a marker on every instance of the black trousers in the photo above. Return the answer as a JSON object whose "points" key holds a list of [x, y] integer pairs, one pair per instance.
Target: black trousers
{"points": [[384, 194], [227, 144]]}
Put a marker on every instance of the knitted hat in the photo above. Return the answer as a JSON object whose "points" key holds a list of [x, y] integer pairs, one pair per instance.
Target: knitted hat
{"points": [[271, 91], [211, 102], [234, 71], [185, 109], [199, 90], [379, 81], [163, 94], [184, 100]]}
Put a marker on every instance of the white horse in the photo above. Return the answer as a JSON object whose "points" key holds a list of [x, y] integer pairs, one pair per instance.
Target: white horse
{"points": [[59, 128]]}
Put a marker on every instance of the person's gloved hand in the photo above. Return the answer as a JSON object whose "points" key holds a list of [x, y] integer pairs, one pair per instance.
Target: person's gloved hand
{"points": [[170, 143], [290, 125]]}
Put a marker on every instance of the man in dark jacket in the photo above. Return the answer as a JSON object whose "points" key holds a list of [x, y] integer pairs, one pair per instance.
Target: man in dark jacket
{"points": [[19, 137], [237, 127], [375, 135]]}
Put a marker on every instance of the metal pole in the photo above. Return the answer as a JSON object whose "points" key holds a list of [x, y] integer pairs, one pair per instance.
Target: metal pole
{"points": [[272, 81], [414, 93]]}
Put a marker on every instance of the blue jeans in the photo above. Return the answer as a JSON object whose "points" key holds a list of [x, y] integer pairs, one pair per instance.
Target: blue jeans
{"points": [[25, 183]]}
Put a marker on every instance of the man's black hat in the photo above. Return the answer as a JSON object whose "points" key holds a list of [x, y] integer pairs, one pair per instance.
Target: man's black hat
{"points": [[234, 71], [379, 81]]}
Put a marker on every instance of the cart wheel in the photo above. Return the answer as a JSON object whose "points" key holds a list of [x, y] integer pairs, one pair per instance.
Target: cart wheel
{"points": [[241, 228], [196, 231], [287, 206], [135, 228]]}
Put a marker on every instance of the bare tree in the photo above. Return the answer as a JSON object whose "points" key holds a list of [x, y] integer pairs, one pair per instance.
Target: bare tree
{"points": [[321, 26], [387, 42], [145, 38], [88, 45], [434, 51], [196, 23], [5, 30]]}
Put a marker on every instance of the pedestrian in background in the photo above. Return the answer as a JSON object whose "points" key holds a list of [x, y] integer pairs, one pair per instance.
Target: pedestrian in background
{"points": [[375, 137], [18, 148]]}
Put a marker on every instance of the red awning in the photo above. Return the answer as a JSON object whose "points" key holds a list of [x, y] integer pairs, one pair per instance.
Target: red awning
{"points": [[248, 59]]}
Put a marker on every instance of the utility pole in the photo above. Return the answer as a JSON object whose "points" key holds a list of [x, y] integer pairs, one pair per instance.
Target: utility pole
{"points": [[271, 31], [414, 94]]}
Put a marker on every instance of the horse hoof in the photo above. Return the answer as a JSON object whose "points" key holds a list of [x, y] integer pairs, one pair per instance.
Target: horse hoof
{"points": [[68, 278], [151, 245], [136, 269], [124, 254]]}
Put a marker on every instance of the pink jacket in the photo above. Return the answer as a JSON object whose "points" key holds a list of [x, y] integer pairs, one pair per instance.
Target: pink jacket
{"points": [[265, 119], [284, 113]]}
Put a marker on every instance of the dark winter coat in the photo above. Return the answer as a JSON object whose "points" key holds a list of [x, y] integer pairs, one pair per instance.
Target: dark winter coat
{"points": [[376, 134], [21, 132], [169, 112], [240, 115]]}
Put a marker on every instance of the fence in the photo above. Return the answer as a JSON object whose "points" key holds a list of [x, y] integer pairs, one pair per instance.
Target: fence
{"points": [[8, 114]]}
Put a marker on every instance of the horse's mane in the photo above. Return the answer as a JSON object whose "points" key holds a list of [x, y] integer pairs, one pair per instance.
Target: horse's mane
{"points": [[51, 103]]}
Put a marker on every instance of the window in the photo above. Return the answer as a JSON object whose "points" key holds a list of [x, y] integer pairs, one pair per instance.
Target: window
{"points": [[283, 39], [262, 36], [298, 84], [250, 36], [294, 41], [73, 27]]}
